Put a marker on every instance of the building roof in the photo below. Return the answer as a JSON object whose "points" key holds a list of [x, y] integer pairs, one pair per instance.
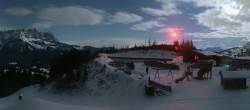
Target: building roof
{"points": [[208, 53], [243, 58]]}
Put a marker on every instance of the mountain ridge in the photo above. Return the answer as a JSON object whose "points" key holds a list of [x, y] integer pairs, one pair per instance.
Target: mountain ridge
{"points": [[30, 47]]}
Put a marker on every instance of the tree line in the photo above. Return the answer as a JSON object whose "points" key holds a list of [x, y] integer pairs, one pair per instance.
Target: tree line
{"points": [[13, 78]]}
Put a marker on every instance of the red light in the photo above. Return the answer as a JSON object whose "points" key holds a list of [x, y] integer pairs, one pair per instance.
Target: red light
{"points": [[196, 57], [176, 48], [173, 34]]}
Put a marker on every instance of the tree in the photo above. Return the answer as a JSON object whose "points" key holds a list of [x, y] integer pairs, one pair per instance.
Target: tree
{"points": [[130, 65], [191, 44], [85, 73], [149, 42], [135, 46], [176, 43], [154, 43], [187, 45], [67, 62], [127, 47]]}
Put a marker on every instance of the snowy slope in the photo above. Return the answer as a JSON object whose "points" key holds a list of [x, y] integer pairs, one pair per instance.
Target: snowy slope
{"points": [[126, 93]]}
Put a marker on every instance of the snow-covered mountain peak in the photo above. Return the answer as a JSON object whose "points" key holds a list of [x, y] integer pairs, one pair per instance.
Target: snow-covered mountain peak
{"points": [[39, 43], [29, 47], [235, 51], [30, 38], [247, 46]]}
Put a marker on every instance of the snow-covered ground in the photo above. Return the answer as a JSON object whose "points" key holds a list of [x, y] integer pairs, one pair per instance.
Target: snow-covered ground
{"points": [[112, 89]]}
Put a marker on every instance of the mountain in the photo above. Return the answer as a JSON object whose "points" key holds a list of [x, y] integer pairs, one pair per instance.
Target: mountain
{"points": [[31, 39], [235, 51], [214, 49], [247, 46], [29, 47]]}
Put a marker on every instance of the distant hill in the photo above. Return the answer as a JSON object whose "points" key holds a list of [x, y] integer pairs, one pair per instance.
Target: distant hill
{"points": [[214, 49], [247, 46], [235, 51]]}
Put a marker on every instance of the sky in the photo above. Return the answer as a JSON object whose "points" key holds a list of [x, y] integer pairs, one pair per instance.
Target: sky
{"points": [[208, 23]]}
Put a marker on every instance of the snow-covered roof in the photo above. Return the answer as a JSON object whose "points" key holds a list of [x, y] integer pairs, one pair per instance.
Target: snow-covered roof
{"points": [[243, 58], [236, 74], [209, 53]]}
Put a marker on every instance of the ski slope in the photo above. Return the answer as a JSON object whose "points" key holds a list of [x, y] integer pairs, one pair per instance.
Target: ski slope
{"points": [[127, 93]]}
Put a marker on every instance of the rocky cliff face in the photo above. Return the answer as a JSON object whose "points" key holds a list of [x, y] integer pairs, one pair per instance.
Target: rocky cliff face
{"points": [[29, 47], [247, 46]]}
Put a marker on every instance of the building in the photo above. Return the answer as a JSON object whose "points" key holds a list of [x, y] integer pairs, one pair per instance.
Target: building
{"points": [[241, 63], [217, 59]]}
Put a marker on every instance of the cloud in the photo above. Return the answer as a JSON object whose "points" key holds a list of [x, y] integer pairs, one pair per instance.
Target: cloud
{"points": [[217, 20], [111, 41], [76, 16], [43, 25], [217, 39], [224, 19], [4, 28], [198, 40], [143, 26], [219, 42], [164, 30], [72, 15], [16, 11], [168, 7], [204, 3], [125, 18]]}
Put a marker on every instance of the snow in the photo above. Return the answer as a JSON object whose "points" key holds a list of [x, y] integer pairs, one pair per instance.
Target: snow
{"points": [[33, 67], [46, 70], [119, 91], [30, 48], [48, 43], [13, 63], [236, 74], [243, 58], [30, 41], [209, 53], [236, 51]]}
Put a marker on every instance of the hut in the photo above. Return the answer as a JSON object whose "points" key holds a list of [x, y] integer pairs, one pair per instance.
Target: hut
{"points": [[217, 59], [240, 63], [234, 79]]}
